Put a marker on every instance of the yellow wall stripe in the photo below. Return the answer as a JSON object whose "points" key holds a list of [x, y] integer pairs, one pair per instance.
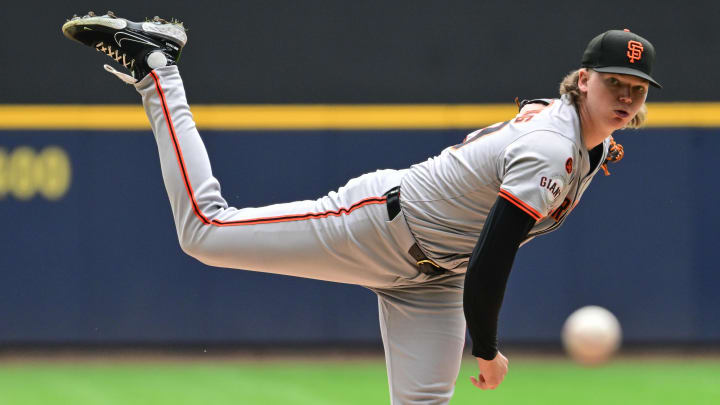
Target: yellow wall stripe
{"points": [[372, 116]]}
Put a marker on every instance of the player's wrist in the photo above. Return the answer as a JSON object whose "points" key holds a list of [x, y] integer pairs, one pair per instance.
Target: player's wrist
{"points": [[486, 355]]}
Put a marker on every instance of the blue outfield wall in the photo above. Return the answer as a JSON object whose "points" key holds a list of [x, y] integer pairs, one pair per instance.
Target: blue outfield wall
{"points": [[101, 264]]}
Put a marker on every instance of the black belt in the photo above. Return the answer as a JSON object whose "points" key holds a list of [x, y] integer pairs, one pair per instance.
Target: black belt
{"points": [[425, 265], [393, 202]]}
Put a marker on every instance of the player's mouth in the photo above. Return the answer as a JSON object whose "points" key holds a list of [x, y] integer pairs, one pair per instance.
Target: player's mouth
{"points": [[621, 114]]}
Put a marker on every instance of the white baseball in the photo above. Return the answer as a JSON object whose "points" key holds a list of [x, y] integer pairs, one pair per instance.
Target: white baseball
{"points": [[591, 335]]}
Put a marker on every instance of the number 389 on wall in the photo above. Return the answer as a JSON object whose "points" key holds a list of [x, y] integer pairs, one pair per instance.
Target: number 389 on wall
{"points": [[25, 173]]}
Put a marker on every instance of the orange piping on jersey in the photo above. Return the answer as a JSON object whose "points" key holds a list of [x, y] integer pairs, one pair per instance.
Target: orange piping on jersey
{"points": [[254, 221], [178, 151], [301, 217], [520, 204]]}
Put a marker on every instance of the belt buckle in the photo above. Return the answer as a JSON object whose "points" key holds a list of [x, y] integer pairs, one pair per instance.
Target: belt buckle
{"points": [[429, 267], [424, 265]]}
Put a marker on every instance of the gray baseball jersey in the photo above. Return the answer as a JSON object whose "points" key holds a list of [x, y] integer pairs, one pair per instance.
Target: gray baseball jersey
{"points": [[536, 161]]}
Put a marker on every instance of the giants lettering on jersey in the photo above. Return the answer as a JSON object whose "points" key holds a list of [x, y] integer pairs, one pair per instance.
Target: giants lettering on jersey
{"points": [[553, 186]]}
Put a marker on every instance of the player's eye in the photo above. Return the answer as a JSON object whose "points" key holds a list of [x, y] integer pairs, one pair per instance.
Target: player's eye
{"points": [[640, 89], [613, 81]]}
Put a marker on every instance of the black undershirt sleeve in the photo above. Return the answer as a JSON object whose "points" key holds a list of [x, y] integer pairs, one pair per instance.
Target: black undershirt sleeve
{"points": [[488, 271]]}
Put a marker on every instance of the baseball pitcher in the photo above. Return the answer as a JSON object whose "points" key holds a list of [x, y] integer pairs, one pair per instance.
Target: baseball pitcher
{"points": [[436, 241]]}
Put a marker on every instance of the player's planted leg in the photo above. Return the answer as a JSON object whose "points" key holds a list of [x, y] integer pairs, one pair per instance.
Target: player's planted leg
{"points": [[139, 47], [423, 333]]}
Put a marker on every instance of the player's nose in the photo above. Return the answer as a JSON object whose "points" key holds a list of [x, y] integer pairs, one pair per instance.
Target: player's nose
{"points": [[625, 95]]}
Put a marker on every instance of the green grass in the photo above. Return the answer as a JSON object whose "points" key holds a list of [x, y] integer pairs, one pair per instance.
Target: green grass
{"points": [[529, 382]]}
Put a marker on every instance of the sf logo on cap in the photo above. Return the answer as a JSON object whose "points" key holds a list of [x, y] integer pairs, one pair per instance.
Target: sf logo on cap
{"points": [[635, 50]]}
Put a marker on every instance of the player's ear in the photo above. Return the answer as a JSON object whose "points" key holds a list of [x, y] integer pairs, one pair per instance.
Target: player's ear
{"points": [[583, 77]]}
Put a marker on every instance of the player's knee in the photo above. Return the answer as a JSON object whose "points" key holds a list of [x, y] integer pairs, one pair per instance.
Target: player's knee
{"points": [[199, 253], [192, 246], [188, 247]]}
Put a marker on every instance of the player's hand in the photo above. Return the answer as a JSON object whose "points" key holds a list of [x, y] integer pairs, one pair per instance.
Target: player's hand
{"points": [[492, 372]]}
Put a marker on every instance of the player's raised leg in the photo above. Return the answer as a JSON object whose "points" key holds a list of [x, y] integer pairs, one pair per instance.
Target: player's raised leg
{"points": [[423, 332], [341, 237]]}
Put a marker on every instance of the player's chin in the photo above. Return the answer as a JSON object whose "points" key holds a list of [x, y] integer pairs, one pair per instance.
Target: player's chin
{"points": [[616, 122], [614, 125]]}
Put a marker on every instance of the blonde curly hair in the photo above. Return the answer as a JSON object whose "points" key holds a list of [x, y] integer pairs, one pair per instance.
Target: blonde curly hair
{"points": [[569, 86]]}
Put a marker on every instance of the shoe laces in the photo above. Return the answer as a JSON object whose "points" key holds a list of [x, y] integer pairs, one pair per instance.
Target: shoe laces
{"points": [[122, 76], [115, 55]]}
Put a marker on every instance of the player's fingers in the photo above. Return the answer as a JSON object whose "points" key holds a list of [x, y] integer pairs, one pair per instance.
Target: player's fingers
{"points": [[479, 382], [492, 385], [492, 382]]}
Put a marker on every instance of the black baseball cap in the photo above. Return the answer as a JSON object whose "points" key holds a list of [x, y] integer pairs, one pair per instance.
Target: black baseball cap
{"points": [[621, 51]]}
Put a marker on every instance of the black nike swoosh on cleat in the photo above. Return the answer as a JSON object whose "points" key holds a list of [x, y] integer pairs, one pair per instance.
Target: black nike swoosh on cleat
{"points": [[125, 36]]}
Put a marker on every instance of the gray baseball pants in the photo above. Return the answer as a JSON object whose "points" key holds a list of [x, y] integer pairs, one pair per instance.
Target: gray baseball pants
{"points": [[343, 237]]}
